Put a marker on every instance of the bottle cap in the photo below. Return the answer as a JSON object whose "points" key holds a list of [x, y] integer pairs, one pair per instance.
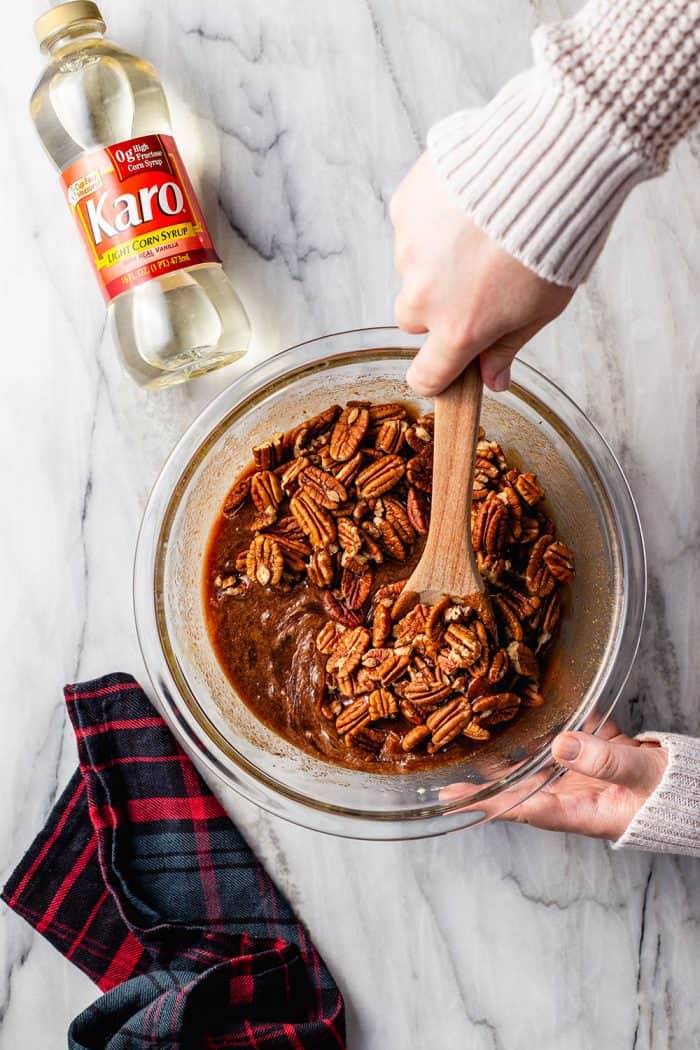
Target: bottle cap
{"points": [[59, 19]]}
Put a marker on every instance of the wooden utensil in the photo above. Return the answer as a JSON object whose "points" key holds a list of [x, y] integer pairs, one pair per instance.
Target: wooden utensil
{"points": [[447, 565]]}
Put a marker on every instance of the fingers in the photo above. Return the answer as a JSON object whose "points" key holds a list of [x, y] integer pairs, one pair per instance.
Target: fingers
{"points": [[616, 763]]}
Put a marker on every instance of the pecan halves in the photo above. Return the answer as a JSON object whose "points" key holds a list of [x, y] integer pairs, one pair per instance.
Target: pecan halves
{"points": [[348, 432], [380, 476], [314, 520], [264, 561]]}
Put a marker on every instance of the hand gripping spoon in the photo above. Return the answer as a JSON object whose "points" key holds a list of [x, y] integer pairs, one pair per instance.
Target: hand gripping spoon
{"points": [[447, 564]]}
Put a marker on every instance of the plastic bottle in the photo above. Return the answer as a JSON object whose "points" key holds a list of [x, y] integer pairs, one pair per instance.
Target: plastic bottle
{"points": [[103, 120]]}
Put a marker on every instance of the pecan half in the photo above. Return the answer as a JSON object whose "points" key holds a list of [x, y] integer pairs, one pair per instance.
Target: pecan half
{"points": [[529, 489], [264, 561], [339, 612], [448, 722], [320, 568], [394, 666], [419, 471], [349, 536], [424, 694], [237, 496], [328, 637], [411, 713], [382, 704], [499, 666], [415, 737], [356, 586], [560, 561], [493, 703], [325, 489], [348, 652], [418, 511], [388, 410], [412, 624], [380, 476], [464, 644], [489, 528], [474, 731], [315, 521], [538, 578], [531, 696], [523, 660], [395, 514], [265, 490], [270, 453], [348, 432], [366, 737], [353, 716], [381, 625], [389, 437], [391, 541]]}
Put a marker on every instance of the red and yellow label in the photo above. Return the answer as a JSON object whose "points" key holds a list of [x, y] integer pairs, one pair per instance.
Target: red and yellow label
{"points": [[137, 212]]}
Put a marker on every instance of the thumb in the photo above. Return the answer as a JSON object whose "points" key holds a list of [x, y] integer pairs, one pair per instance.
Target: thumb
{"points": [[617, 763], [497, 358], [437, 363]]}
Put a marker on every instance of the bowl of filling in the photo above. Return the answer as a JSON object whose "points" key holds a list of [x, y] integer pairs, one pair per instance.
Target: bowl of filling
{"points": [[276, 541]]}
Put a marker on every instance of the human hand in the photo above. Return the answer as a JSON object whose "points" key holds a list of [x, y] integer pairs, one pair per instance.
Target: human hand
{"points": [[605, 785], [470, 295]]}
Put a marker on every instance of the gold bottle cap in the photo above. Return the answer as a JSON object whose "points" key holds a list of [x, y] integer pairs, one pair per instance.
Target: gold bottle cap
{"points": [[60, 19]]}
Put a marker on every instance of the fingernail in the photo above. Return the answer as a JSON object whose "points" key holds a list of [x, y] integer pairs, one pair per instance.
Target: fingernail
{"points": [[568, 747], [501, 381]]}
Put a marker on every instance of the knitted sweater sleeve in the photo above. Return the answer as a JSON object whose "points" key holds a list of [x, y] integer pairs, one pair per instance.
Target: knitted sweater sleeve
{"points": [[669, 820], [545, 167]]}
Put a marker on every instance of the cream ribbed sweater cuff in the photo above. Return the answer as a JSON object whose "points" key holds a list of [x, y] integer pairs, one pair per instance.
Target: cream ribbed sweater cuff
{"points": [[669, 820], [541, 175], [545, 167]]}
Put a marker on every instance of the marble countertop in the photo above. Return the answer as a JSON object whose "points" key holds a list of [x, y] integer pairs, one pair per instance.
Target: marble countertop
{"points": [[303, 118]]}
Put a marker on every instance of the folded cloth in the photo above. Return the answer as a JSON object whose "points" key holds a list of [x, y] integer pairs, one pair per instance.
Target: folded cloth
{"points": [[142, 881]]}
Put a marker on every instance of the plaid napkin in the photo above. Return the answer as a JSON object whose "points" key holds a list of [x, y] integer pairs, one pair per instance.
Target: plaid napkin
{"points": [[142, 881]]}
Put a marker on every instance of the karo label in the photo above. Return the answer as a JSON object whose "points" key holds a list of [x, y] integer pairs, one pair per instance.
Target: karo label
{"points": [[137, 212]]}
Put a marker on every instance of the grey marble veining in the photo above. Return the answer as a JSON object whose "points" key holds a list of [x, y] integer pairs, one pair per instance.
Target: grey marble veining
{"points": [[298, 120]]}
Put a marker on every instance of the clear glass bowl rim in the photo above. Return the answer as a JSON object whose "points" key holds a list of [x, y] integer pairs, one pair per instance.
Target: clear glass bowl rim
{"points": [[259, 787]]}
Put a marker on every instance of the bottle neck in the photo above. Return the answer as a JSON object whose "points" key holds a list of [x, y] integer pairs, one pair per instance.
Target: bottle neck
{"points": [[79, 31]]}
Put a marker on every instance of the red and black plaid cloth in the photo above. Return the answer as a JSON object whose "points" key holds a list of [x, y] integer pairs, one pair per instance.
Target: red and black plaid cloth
{"points": [[142, 881]]}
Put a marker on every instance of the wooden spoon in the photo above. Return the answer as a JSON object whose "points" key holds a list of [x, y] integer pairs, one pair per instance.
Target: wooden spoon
{"points": [[447, 564]]}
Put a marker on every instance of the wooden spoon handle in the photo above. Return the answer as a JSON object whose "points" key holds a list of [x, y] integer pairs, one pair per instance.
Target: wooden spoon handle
{"points": [[457, 412]]}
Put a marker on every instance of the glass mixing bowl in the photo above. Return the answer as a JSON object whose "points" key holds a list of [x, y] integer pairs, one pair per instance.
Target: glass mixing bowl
{"points": [[589, 498]]}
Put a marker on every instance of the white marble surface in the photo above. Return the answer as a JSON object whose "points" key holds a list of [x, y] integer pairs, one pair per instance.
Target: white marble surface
{"points": [[305, 116]]}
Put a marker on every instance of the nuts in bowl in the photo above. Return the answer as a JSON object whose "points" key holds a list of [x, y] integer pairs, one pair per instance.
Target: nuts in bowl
{"points": [[307, 557]]}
